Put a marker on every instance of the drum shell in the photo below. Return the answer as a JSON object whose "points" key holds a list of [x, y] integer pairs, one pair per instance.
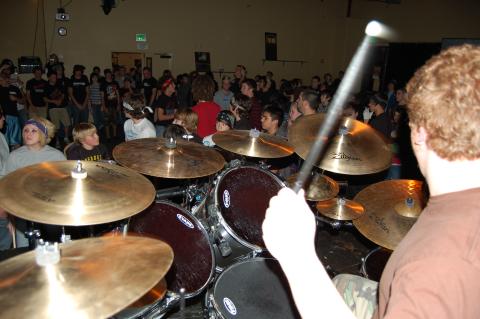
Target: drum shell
{"points": [[374, 263]]}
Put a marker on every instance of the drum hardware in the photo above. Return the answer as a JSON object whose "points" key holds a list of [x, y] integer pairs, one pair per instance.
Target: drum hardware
{"points": [[33, 236], [334, 224], [159, 157], [78, 277], [391, 209]]}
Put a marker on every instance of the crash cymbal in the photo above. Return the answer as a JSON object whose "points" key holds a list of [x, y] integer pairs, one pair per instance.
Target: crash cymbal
{"points": [[391, 209], [94, 278], [253, 143], [47, 193], [152, 156], [354, 149], [153, 295], [320, 187], [340, 209]]}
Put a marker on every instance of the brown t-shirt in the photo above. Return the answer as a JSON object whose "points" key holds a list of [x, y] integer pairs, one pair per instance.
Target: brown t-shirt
{"points": [[435, 271]]}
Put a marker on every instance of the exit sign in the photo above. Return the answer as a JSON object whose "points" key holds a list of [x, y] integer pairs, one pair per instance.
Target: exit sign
{"points": [[141, 37]]}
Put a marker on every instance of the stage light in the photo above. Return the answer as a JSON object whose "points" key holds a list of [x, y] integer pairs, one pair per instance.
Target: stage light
{"points": [[62, 31]]}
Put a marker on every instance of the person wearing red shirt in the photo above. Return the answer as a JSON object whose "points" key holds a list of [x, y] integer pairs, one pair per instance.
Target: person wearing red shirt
{"points": [[203, 89]]}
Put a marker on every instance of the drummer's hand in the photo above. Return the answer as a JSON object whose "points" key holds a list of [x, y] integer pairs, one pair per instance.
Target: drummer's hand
{"points": [[289, 226]]}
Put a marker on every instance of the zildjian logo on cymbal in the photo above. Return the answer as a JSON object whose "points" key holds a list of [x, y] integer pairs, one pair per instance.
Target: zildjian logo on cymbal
{"points": [[343, 156]]}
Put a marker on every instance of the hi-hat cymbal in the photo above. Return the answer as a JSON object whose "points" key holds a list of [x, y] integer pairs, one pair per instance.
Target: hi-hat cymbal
{"points": [[391, 209], [340, 209], [95, 278], [321, 187], [354, 149], [152, 156], [47, 193], [253, 143]]}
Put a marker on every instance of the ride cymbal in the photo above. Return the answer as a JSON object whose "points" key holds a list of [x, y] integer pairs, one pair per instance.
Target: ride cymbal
{"points": [[354, 149], [391, 209], [340, 209], [47, 193], [156, 157], [253, 143], [320, 188], [95, 278]]}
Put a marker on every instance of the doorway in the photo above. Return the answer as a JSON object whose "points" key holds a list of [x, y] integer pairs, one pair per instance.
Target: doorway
{"points": [[128, 59]]}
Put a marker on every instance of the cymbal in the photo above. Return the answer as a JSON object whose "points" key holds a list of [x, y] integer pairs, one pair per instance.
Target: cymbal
{"points": [[391, 209], [47, 193], [321, 187], [354, 149], [340, 209], [95, 278], [151, 156], [253, 143]]}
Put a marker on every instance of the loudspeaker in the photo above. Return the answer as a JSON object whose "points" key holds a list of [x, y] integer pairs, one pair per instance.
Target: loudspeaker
{"points": [[202, 61], [270, 46], [27, 63]]}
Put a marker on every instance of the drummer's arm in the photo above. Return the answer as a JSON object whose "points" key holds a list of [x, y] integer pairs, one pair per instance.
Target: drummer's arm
{"points": [[313, 291]]}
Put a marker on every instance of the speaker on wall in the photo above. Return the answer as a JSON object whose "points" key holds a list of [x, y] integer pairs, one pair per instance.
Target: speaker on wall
{"points": [[270, 46]]}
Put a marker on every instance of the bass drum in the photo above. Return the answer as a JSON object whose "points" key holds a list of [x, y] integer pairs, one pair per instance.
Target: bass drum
{"points": [[374, 263], [237, 209], [193, 264], [254, 288]]}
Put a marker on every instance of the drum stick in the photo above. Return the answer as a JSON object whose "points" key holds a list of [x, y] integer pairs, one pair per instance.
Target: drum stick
{"points": [[335, 109], [14, 235]]}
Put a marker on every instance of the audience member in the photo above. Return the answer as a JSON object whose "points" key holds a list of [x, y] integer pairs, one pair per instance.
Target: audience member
{"points": [[203, 89], [137, 126], [86, 144], [224, 95]]}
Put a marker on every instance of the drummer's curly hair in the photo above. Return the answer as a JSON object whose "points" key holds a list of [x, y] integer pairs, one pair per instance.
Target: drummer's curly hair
{"points": [[444, 99]]}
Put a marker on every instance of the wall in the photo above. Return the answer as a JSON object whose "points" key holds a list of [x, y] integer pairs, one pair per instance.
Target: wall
{"points": [[232, 31]]}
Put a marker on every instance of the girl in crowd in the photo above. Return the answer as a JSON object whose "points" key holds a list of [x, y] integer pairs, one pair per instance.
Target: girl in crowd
{"points": [[240, 106], [37, 133], [137, 126]]}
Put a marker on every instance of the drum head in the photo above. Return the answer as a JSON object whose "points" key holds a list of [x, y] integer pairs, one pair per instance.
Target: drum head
{"points": [[243, 194], [256, 288], [193, 263], [375, 263]]}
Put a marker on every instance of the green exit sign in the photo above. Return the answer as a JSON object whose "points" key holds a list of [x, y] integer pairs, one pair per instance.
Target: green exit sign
{"points": [[141, 37]]}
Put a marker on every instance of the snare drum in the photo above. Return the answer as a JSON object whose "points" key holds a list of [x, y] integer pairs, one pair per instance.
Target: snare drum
{"points": [[254, 288], [374, 263], [193, 264], [237, 209]]}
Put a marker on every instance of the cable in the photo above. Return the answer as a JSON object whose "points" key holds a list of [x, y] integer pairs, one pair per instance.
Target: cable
{"points": [[36, 29]]}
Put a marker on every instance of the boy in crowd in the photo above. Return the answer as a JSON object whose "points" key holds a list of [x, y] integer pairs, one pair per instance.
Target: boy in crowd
{"points": [[225, 122], [86, 145], [272, 118]]}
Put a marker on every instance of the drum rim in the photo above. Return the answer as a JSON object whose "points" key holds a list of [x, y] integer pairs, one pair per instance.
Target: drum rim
{"points": [[218, 211], [211, 293], [363, 269], [201, 227]]}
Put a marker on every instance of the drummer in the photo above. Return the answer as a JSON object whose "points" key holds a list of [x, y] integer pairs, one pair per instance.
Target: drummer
{"points": [[37, 133], [435, 270]]}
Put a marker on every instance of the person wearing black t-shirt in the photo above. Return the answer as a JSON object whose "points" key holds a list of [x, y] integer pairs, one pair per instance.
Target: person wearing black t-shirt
{"points": [[55, 98], [86, 145], [165, 105], [36, 92], [9, 94], [381, 122], [79, 92], [149, 86], [111, 103]]}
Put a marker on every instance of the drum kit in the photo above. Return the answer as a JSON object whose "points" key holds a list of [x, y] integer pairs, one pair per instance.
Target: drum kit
{"points": [[182, 252]]}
